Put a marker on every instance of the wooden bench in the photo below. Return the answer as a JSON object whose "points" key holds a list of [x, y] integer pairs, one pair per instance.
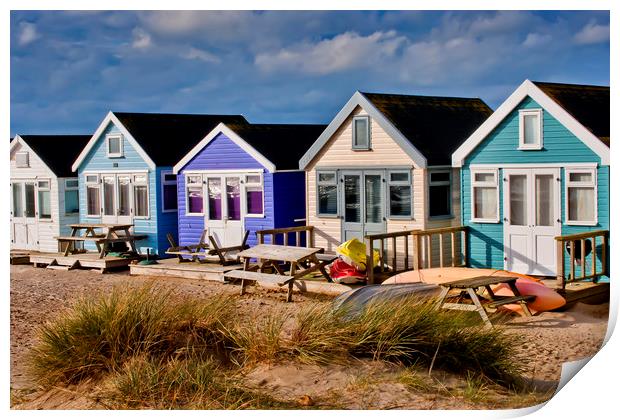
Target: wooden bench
{"points": [[276, 279], [510, 299], [192, 253]]}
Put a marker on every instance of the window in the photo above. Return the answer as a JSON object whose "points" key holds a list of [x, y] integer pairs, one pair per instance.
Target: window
{"points": [[18, 203], [361, 133], [254, 195], [115, 146], [485, 196], [439, 191], [194, 193], [581, 196], [30, 202], [93, 198], [21, 160], [399, 187], [45, 205], [140, 196], [327, 193], [169, 191], [530, 129]]}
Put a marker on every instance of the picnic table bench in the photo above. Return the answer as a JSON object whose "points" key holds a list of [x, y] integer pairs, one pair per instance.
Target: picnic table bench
{"points": [[301, 260], [467, 288], [110, 234], [202, 250]]}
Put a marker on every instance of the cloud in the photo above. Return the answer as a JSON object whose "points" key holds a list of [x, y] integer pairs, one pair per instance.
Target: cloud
{"points": [[592, 33], [27, 33], [342, 52], [535, 39], [141, 39], [202, 55]]}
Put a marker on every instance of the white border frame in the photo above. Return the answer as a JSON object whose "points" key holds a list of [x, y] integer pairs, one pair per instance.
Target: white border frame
{"points": [[522, 114], [355, 147], [25, 153], [187, 185], [388, 201], [134, 184], [92, 184], [121, 148], [327, 183], [164, 182], [474, 184], [568, 184], [245, 185]]}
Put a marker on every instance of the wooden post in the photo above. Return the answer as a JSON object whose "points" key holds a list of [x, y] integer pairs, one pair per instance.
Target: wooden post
{"points": [[382, 254], [453, 247], [261, 240], [593, 257], [310, 237], [465, 247], [572, 260], [560, 263], [298, 238], [369, 263], [429, 250], [407, 252], [441, 250], [394, 251], [604, 256], [418, 252], [583, 258]]}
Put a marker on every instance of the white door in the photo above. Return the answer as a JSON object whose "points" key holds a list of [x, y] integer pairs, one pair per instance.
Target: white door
{"points": [[116, 197], [225, 208], [531, 220], [108, 198], [24, 227]]}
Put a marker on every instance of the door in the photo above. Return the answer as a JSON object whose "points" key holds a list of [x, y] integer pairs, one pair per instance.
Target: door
{"points": [[225, 210], [108, 193], [116, 199], [363, 203], [531, 220], [24, 215]]}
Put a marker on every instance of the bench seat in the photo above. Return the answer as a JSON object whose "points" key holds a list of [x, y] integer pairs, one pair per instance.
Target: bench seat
{"points": [[510, 299]]}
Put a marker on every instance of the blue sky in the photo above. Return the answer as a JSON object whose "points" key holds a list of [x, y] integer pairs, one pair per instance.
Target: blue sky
{"points": [[69, 68]]}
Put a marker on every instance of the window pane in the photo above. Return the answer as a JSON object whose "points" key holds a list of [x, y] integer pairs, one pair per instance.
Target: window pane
{"points": [[45, 206], [170, 178], [327, 177], [399, 177], [360, 135], [374, 203], [44, 185], [140, 179], [114, 145], [485, 203], [581, 204], [91, 178], [124, 205], [170, 197], [580, 176], [214, 186], [440, 176], [71, 183], [400, 200], [233, 198], [544, 205], [72, 202], [108, 196], [439, 200], [194, 200], [194, 179], [352, 198], [30, 210], [518, 197], [18, 208], [252, 179], [484, 177], [92, 200], [530, 129], [328, 199], [254, 198], [21, 159], [141, 200]]}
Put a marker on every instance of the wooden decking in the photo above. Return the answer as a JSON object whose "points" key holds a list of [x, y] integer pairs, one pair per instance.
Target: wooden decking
{"points": [[89, 260], [19, 257], [170, 267]]}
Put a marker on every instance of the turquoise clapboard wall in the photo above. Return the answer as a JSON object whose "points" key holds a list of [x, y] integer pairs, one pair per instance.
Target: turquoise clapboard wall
{"points": [[97, 160], [501, 147]]}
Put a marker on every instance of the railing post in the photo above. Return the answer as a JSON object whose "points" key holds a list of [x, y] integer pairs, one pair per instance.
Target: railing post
{"points": [[369, 263], [560, 264], [604, 254], [310, 236], [418, 252], [440, 250], [465, 242]]}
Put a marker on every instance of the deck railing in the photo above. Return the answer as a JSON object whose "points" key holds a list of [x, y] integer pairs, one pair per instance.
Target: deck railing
{"points": [[458, 246], [581, 238], [384, 239], [286, 233]]}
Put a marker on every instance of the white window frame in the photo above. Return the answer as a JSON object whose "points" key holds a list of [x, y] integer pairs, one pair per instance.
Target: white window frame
{"points": [[38, 201], [407, 183], [120, 143], [522, 114], [484, 184], [353, 132], [163, 183], [26, 157], [447, 183], [96, 183], [134, 184], [71, 188], [247, 185], [200, 184], [327, 183], [591, 184]]}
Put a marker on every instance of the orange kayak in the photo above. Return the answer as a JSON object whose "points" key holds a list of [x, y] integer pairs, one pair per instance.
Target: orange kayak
{"points": [[547, 299]]}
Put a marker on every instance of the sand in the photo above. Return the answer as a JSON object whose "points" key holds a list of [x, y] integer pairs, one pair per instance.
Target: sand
{"points": [[550, 339]]}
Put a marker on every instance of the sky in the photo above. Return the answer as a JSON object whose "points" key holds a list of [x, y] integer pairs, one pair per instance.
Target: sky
{"points": [[68, 69]]}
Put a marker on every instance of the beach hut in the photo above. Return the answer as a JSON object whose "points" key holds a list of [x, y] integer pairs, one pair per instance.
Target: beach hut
{"points": [[44, 190], [536, 170], [383, 165], [125, 171], [243, 177]]}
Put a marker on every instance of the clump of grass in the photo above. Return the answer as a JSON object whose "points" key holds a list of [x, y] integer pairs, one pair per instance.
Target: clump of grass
{"points": [[257, 341], [99, 333], [476, 388]]}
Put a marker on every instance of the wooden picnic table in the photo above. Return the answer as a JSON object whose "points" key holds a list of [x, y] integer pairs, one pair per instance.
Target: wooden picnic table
{"points": [[102, 234], [467, 287], [301, 260]]}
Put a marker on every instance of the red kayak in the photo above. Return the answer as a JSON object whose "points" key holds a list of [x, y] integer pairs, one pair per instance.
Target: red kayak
{"points": [[344, 273]]}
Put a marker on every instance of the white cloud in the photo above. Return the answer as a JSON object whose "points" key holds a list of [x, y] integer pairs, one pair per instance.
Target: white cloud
{"points": [[141, 39], [343, 52], [27, 33], [202, 55], [592, 33], [534, 39]]}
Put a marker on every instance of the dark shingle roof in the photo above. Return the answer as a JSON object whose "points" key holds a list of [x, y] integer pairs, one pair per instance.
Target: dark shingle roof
{"points": [[57, 151], [435, 125], [166, 138], [282, 144], [588, 104]]}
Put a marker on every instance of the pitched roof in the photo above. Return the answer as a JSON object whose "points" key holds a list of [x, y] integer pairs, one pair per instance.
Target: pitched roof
{"points": [[587, 104], [57, 151], [434, 125], [166, 138], [282, 144]]}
